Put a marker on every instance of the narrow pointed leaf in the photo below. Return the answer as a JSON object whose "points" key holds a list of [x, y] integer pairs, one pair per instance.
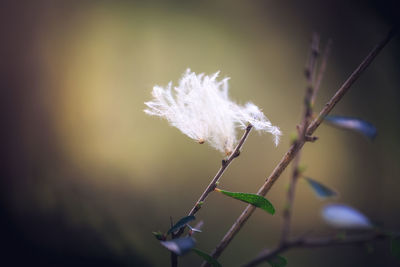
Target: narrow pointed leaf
{"points": [[353, 124], [395, 247], [180, 246], [342, 216], [182, 222], [256, 200], [277, 261], [207, 258], [319, 189]]}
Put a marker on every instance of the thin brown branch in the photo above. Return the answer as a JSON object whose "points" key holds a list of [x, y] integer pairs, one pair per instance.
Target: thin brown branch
{"points": [[316, 242], [197, 206], [287, 213], [349, 82], [225, 164], [294, 149], [174, 259], [173, 256], [321, 71], [310, 92], [241, 220]]}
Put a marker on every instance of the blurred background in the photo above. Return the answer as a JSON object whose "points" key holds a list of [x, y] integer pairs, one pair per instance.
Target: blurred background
{"points": [[86, 176]]}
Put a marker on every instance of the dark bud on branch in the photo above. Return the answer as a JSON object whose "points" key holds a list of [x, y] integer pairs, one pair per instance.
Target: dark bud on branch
{"points": [[311, 138]]}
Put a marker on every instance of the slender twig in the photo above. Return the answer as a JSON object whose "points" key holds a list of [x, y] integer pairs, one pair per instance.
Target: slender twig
{"points": [[294, 149], [321, 71], [197, 206], [317, 242], [224, 165], [310, 92], [174, 259], [349, 82], [173, 256]]}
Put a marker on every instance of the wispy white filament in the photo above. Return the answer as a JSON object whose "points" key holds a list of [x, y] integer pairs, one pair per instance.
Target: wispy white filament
{"points": [[200, 107]]}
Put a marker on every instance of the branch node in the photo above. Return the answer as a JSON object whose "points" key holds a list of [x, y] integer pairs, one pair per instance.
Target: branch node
{"points": [[237, 154], [294, 149], [223, 162], [199, 204], [311, 139], [298, 128]]}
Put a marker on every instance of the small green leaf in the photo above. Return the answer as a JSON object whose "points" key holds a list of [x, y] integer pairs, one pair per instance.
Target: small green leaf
{"points": [[256, 200], [182, 222], [159, 235], [395, 247], [207, 258], [278, 261], [320, 190]]}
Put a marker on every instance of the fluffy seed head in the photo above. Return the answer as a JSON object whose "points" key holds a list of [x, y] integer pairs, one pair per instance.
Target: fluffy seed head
{"points": [[200, 108]]}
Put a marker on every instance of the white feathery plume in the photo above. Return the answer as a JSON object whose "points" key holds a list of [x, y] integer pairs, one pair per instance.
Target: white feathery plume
{"points": [[250, 113], [200, 108]]}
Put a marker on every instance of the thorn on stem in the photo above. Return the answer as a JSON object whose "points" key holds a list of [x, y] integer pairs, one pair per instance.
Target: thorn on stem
{"points": [[298, 128], [311, 138]]}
